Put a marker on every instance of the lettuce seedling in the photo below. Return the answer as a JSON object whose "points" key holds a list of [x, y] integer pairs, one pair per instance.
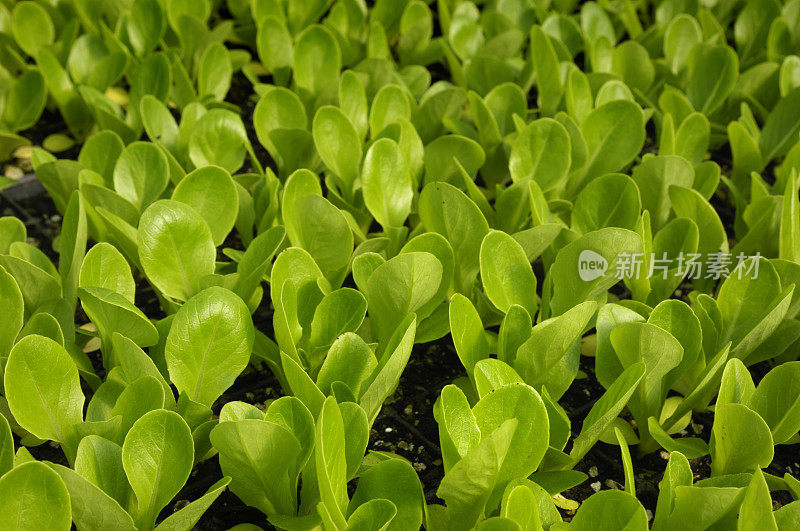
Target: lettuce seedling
{"points": [[266, 454]]}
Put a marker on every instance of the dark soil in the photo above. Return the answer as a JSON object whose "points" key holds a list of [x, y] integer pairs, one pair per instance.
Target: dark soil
{"points": [[37, 211]]}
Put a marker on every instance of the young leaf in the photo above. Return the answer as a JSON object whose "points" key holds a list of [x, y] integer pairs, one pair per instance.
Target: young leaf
{"points": [[141, 174], [157, 456], [281, 124], [609, 201], [338, 145], [212, 193], [176, 248], [349, 361], [25, 101], [491, 374], [469, 338], [604, 248], [514, 331], [386, 184], [104, 267], [256, 260], [323, 231], [520, 505], [293, 272], [317, 60], [713, 71], [737, 384], [274, 46], [780, 130], [73, 247], [545, 64], [654, 176], [136, 364], [467, 486], [682, 34], [458, 429], [91, 507], [11, 230], [547, 359], [111, 312], [529, 441], [145, 26], [449, 156], [330, 462], [6, 446], [688, 203], [339, 312], [691, 447], [34, 497], [756, 509], [630, 486], [506, 274], [209, 344], [301, 384], [390, 104], [606, 409], [400, 287], [740, 442], [13, 302], [394, 480], [32, 27], [614, 134], [257, 455], [43, 391], [777, 401], [187, 517], [353, 101], [440, 205], [660, 352], [219, 138], [789, 248], [611, 509], [214, 72], [386, 375]]}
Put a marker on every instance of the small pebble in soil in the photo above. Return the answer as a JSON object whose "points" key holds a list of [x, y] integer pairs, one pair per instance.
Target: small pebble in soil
{"points": [[664, 455], [649, 514], [23, 152], [388, 430], [409, 410], [14, 172], [419, 467], [593, 472], [596, 486], [611, 484]]}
